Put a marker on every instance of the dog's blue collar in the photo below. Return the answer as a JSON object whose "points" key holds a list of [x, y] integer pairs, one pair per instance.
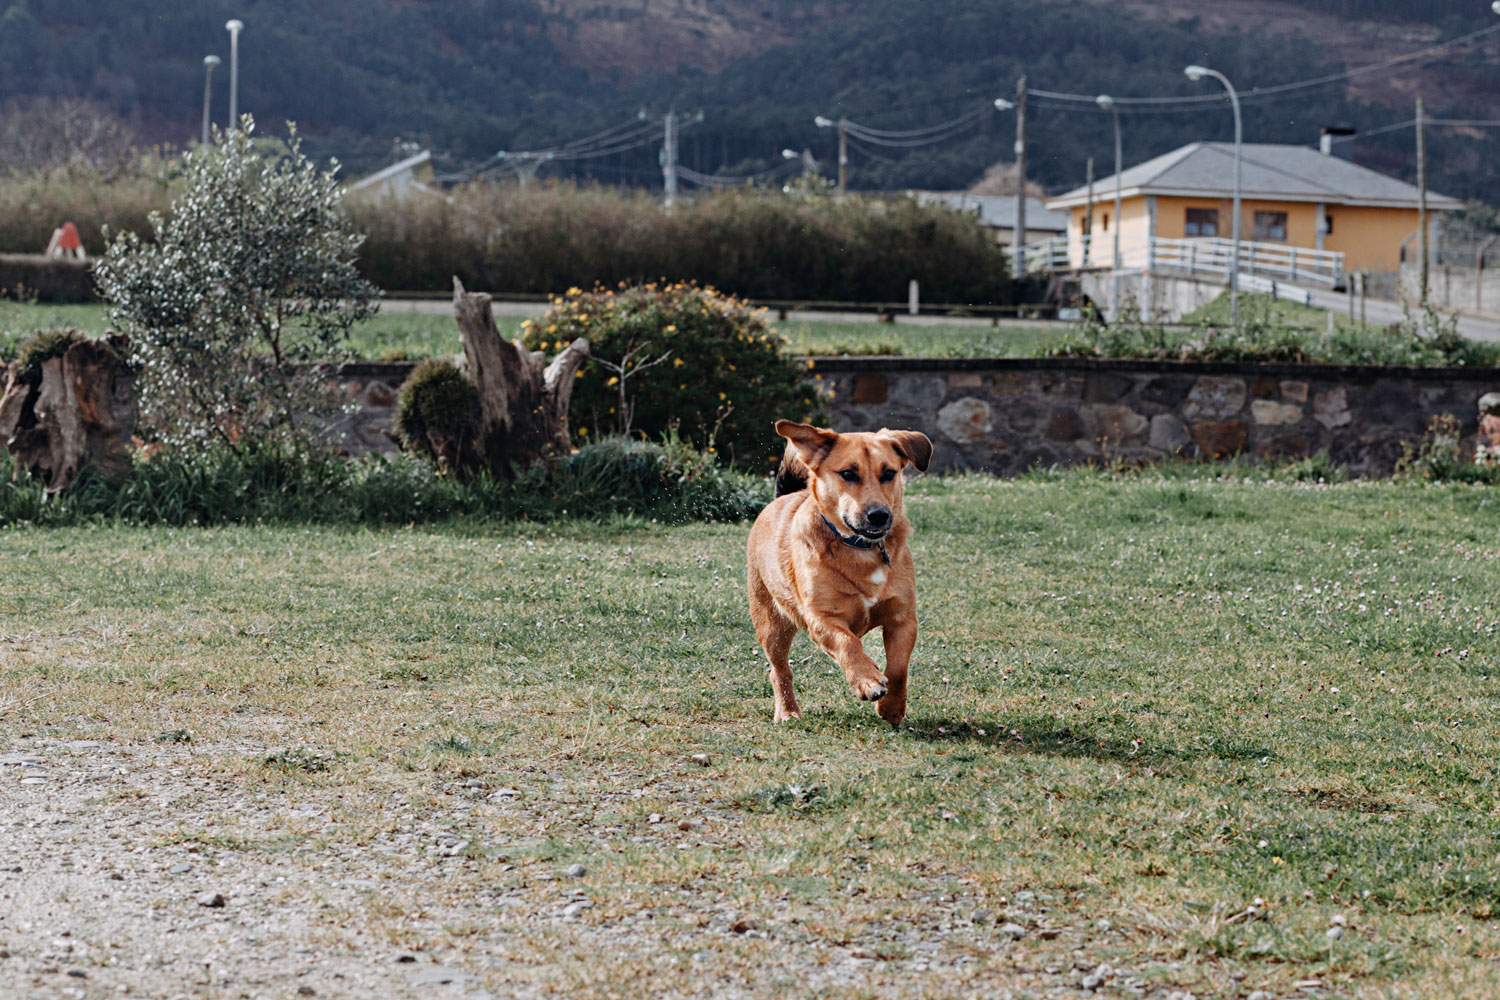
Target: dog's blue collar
{"points": [[857, 541]]}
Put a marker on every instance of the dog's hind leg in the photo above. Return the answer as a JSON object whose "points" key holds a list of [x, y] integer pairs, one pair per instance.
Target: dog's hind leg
{"points": [[900, 640]]}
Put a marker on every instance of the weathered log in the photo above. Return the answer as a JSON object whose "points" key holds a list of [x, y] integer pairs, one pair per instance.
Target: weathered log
{"points": [[523, 401], [73, 411]]}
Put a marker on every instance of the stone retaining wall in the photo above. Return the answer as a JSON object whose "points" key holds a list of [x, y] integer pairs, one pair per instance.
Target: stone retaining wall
{"points": [[1007, 415]]}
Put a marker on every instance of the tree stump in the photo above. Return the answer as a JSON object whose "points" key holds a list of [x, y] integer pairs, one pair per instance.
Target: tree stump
{"points": [[523, 401], [72, 411]]}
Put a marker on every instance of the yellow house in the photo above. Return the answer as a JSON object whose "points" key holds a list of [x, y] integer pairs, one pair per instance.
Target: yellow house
{"points": [[1290, 195]]}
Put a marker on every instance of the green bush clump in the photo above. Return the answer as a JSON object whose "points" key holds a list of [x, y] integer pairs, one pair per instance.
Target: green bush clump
{"points": [[276, 483], [44, 346], [695, 362], [437, 412]]}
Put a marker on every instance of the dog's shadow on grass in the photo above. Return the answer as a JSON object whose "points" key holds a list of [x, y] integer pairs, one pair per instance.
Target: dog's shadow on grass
{"points": [[1049, 736]]}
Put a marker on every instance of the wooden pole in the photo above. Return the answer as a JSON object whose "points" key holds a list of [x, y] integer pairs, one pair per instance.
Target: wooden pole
{"points": [[1422, 197]]}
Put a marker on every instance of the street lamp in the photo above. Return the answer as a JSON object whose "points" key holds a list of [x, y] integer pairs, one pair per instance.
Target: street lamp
{"points": [[234, 28], [209, 62], [1198, 73], [1004, 105]]}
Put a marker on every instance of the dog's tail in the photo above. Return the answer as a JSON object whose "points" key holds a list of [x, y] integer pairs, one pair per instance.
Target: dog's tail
{"points": [[792, 475]]}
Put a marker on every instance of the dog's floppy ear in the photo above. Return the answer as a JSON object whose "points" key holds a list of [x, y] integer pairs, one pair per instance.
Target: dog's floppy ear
{"points": [[911, 445], [812, 443]]}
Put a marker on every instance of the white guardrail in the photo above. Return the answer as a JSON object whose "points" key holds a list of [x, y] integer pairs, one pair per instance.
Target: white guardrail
{"points": [[1207, 255]]}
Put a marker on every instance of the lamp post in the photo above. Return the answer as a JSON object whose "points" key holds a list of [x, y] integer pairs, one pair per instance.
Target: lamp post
{"points": [[209, 62], [234, 28], [1108, 104], [1198, 73]]}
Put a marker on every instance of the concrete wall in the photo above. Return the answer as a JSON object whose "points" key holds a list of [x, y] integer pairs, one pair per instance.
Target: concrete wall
{"points": [[1007, 415], [1158, 297], [1453, 286]]}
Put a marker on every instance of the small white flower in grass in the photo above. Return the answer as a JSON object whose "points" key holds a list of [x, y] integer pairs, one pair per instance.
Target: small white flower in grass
{"points": [[1264, 843]]}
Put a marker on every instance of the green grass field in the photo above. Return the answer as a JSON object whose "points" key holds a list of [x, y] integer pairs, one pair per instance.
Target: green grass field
{"points": [[407, 336], [1139, 706]]}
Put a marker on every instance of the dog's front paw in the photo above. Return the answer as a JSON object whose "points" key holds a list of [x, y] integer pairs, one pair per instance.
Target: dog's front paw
{"points": [[870, 688], [785, 714]]}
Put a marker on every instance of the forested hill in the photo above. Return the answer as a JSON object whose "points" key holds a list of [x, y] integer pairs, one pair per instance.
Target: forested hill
{"points": [[470, 77]]}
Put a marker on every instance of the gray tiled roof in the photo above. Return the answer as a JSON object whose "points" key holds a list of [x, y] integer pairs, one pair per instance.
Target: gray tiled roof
{"points": [[998, 211], [1269, 171]]}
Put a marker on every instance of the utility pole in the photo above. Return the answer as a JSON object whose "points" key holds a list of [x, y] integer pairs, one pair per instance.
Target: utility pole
{"points": [[1088, 215], [1422, 197], [843, 155], [209, 62], [669, 158], [1018, 265]]}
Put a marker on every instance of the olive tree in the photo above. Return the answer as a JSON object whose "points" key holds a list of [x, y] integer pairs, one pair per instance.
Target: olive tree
{"points": [[247, 282]]}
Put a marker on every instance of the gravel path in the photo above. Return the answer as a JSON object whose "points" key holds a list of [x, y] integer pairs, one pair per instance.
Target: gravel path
{"points": [[176, 871]]}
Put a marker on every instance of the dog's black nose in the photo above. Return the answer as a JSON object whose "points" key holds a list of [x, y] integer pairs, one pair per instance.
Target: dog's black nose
{"points": [[878, 517]]}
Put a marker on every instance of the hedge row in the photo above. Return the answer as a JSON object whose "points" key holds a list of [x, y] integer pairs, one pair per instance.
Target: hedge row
{"points": [[500, 237], [549, 237]]}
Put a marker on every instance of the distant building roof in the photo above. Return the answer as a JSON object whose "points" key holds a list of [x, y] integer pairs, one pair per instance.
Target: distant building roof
{"points": [[396, 179], [1270, 172], [998, 211]]}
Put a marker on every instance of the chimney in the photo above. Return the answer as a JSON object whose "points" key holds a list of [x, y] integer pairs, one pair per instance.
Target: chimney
{"points": [[1336, 140]]}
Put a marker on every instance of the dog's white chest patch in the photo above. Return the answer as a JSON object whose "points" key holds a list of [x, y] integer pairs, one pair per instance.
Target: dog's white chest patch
{"points": [[869, 602], [878, 577]]}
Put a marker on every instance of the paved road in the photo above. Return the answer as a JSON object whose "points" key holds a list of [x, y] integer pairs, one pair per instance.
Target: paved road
{"points": [[1379, 312]]}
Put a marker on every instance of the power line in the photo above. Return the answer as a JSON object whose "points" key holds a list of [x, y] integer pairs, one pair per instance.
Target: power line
{"points": [[1285, 87]]}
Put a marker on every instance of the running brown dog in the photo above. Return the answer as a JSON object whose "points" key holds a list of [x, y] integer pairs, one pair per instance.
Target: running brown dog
{"points": [[829, 556]]}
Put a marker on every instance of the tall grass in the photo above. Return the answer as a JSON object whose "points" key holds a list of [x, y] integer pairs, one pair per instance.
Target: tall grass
{"points": [[32, 205], [760, 245]]}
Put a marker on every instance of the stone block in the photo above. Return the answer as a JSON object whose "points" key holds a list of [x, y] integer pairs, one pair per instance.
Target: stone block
{"points": [[965, 420], [1214, 397], [1168, 433], [869, 388], [1102, 387], [379, 393], [1273, 414], [919, 391], [1331, 408], [1221, 439], [1006, 384], [1168, 390], [1285, 446], [965, 380], [1265, 387], [1065, 425], [1294, 389], [1114, 423]]}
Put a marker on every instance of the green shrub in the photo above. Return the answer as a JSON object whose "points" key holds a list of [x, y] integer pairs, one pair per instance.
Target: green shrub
{"points": [[1437, 457], [44, 346], [273, 483], [437, 413], [723, 384]]}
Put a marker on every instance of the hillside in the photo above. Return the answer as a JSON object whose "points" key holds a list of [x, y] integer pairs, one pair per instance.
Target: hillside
{"points": [[471, 77]]}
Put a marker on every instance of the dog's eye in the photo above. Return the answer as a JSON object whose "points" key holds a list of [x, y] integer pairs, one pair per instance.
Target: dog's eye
{"points": [[887, 475], [850, 476]]}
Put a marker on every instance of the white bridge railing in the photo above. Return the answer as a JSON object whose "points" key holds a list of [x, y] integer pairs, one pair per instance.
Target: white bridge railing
{"points": [[1207, 255]]}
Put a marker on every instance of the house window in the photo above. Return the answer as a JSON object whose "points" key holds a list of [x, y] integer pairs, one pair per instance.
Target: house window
{"points": [[1270, 226], [1201, 222]]}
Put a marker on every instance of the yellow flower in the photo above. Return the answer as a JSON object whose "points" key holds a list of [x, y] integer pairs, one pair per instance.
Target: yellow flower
{"points": [[671, 327], [682, 386], [677, 362], [575, 290], [613, 380], [578, 374], [583, 431], [721, 395], [733, 368], [552, 328], [809, 362]]}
